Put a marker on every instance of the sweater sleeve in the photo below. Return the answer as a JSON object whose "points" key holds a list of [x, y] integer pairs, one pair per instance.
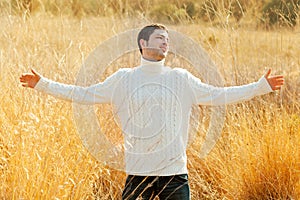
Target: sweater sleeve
{"points": [[205, 94], [98, 93]]}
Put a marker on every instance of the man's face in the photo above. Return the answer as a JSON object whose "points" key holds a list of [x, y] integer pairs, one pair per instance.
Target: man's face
{"points": [[156, 48]]}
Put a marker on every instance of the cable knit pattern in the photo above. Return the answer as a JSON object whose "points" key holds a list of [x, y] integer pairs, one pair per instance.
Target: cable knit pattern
{"points": [[154, 103]]}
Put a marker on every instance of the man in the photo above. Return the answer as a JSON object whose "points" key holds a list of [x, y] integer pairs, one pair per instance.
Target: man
{"points": [[153, 103]]}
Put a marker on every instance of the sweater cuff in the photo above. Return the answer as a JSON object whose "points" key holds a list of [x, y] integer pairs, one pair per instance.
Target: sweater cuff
{"points": [[42, 84], [264, 86]]}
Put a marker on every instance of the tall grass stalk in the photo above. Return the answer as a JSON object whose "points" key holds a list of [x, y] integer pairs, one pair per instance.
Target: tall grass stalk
{"points": [[42, 157]]}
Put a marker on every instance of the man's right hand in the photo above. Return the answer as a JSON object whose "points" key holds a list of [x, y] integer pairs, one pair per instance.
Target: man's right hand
{"points": [[30, 79]]}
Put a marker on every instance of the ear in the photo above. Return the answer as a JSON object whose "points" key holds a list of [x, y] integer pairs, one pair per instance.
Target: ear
{"points": [[143, 43]]}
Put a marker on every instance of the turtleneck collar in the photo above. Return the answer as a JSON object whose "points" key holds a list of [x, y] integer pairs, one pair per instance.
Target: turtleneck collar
{"points": [[152, 66]]}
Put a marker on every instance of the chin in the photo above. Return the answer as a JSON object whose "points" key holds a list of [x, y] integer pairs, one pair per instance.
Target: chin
{"points": [[156, 55], [161, 57]]}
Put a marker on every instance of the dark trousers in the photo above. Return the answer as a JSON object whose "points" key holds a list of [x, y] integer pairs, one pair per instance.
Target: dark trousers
{"points": [[165, 187]]}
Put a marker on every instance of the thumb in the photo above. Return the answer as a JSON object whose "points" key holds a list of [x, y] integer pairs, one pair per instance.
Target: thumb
{"points": [[34, 72], [267, 74]]}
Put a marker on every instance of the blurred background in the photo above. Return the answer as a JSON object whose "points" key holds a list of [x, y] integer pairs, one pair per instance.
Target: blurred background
{"points": [[41, 154], [265, 13]]}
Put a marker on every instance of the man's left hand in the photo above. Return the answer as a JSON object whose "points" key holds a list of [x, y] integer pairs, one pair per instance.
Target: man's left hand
{"points": [[275, 82]]}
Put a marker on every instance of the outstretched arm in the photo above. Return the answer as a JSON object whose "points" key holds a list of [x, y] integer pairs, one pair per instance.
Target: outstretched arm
{"points": [[214, 133], [205, 94], [98, 93]]}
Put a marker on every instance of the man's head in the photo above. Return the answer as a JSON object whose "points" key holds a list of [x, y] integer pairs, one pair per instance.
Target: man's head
{"points": [[153, 41]]}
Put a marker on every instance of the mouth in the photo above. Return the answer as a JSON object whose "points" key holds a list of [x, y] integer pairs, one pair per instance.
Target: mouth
{"points": [[164, 49]]}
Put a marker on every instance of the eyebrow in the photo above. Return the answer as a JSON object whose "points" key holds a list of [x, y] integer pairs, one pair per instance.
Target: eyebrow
{"points": [[159, 34]]}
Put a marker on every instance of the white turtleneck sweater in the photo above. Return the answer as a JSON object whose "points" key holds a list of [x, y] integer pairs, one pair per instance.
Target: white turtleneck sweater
{"points": [[153, 103]]}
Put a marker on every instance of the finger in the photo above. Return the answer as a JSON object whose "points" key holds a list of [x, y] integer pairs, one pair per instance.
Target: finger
{"points": [[268, 73], [22, 81], [279, 76], [34, 72], [277, 87], [25, 77], [22, 78], [25, 85], [280, 81], [25, 74], [276, 78]]}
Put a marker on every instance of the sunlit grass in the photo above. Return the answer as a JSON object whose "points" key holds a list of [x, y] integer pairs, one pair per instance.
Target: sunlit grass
{"points": [[42, 157]]}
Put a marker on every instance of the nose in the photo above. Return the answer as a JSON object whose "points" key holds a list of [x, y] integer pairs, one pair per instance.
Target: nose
{"points": [[166, 41]]}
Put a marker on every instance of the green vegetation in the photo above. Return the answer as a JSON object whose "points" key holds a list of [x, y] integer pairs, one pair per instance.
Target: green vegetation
{"points": [[261, 12], [284, 12]]}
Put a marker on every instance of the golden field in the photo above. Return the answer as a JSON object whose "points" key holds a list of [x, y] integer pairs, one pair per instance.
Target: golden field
{"points": [[42, 157]]}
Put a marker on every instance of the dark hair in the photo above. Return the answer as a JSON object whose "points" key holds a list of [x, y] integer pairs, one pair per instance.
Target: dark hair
{"points": [[147, 31]]}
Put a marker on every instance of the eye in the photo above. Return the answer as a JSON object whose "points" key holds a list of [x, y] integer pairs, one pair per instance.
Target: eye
{"points": [[162, 38]]}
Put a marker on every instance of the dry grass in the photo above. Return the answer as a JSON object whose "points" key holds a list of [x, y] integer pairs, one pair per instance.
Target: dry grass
{"points": [[41, 156]]}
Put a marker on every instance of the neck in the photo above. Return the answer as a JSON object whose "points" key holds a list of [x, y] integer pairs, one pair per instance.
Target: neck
{"points": [[152, 66]]}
